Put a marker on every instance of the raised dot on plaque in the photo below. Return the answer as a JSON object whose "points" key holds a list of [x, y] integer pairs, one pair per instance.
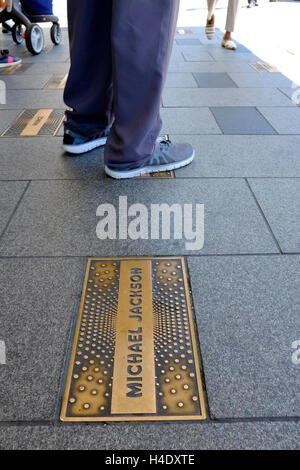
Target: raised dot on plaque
{"points": [[178, 377], [167, 380], [165, 407], [90, 377], [186, 387], [72, 400], [180, 404], [76, 376], [100, 381], [173, 391], [86, 406], [94, 392], [194, 398], [84, 368], [82, 388]]}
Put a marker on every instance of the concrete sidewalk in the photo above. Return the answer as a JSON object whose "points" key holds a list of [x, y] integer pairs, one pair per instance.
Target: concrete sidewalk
{"points": [[244, 282]]}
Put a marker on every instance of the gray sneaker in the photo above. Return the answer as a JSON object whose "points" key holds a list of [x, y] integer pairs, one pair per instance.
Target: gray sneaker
{"points": [[167, 157]]}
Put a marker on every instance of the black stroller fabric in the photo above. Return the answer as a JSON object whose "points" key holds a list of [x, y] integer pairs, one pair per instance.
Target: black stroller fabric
{"points": [[37, 7]]}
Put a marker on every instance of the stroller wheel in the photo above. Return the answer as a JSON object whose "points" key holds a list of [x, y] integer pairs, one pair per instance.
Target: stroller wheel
{"points": [[34, 38], [17, 33], [55, 33]]}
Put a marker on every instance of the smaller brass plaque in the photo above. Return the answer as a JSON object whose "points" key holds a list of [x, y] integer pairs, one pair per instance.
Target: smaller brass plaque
{"points": [[57, 82], [184, 31], [134, 354], [159, 174], [36, 123], [263, 67]]}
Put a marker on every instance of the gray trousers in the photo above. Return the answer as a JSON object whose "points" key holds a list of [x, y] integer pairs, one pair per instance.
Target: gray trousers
{"points": [[120, 51], [232, 11]]}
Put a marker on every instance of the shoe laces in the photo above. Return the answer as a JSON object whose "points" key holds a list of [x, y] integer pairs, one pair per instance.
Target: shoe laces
{"points": [[165, 143]]}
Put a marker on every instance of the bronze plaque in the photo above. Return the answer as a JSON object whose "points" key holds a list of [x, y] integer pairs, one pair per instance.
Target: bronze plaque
{"points": [[158, 174], [263, 67], [36, 123], [134, 355]]}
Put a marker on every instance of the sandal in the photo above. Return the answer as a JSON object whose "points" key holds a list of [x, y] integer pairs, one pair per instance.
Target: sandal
{"points": [[229, 44], [210, 29]]}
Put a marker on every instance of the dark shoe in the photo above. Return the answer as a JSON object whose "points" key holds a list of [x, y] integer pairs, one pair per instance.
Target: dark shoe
{"points": [[76, 143], [167, 157]]}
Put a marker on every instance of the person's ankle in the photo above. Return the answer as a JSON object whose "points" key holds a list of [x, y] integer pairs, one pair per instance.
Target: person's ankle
{"points": [[211, 21]]}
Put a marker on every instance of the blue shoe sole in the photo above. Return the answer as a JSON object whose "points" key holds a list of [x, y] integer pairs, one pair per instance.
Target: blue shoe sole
{"points": [[119, 174], [87, 147], [10, 64]]}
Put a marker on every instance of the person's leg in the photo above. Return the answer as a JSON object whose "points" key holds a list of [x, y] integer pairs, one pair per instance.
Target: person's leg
{"points": [[211, 5], [142, 40], [210, 21], [232, 10], [88, 90]]}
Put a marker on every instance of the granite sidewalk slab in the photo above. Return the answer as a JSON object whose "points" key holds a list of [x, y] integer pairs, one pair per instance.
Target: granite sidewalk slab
{"points": [[280, 202], [135, 436], [36, 308], [239, 120], [17, 99], [43, 158], [238, 156], [190, 97], [247, 311], [10, 194], [284, 120], [189, 121], [58, 218]]}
